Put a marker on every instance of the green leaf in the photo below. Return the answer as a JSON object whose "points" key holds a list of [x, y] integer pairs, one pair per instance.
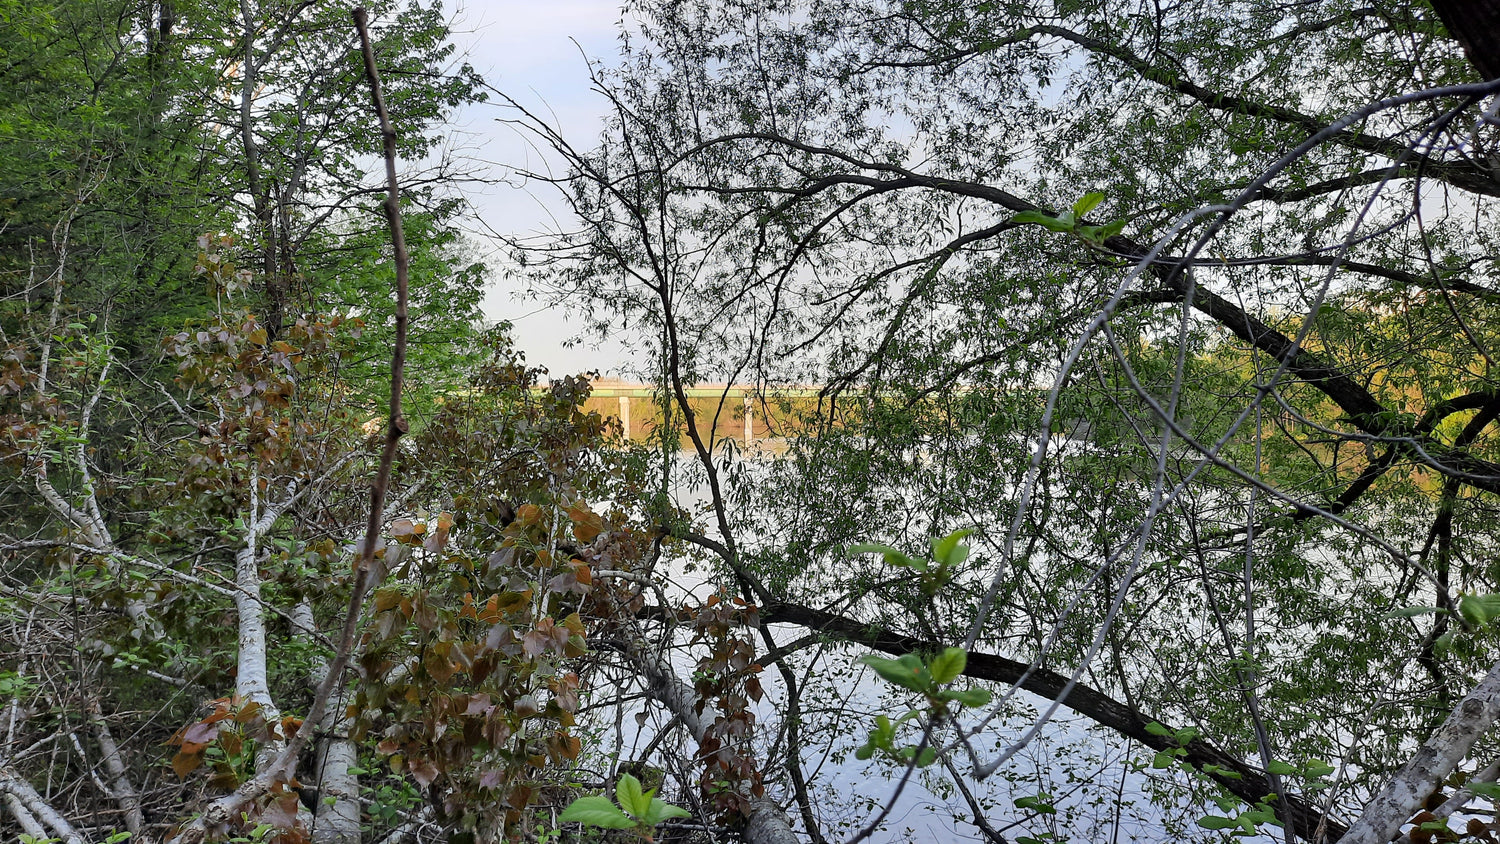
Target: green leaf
{"points": [[901, 671], [1280, 768], [865, 751], [1484, 789], [893, 556], [597, 811], [1087, 203], [1258, 816], [972, 698], [927, 757], [1040, 803], [1051, 223], [1156, 729], [1111, 229], [1216, 822], [632, 799], [1163, 759], [1443, 644], [661, 810], [1479, 610], [1412, 612], [1317, 769], [946, 666], [944, 550]]}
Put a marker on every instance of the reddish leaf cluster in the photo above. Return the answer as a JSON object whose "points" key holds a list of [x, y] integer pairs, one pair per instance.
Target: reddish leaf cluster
{"points": [[726, 677], [474, 655]]}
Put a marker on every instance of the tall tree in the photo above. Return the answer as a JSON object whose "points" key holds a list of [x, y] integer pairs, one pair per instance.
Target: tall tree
{"points": [[176, 507], [1250, 251]]}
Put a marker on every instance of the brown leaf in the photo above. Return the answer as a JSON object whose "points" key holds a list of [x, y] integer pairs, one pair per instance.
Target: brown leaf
{"points": [[510, 601], [439, 668], [281, 812], [533, 644], [387, 598], [505, 558], [491, 612], [586, 524], [423, 771], [224, 778], [439, 537], [200, 733], [526, 706], [185, 763]]}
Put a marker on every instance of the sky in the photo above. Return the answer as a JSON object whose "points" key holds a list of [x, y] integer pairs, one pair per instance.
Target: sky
{"points": [[534, 52]]}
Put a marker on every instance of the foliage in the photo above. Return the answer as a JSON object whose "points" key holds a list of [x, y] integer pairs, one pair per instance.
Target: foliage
{"points": [[637, 809], [1209, 423], [1144, 322]]}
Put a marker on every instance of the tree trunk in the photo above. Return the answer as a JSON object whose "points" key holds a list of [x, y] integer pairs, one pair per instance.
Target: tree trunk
{"points": [[767, 823], [1405, 793], [336, 813], [1476, 25]]}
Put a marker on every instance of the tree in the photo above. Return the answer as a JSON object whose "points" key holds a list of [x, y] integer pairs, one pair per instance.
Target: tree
{"points": [[177, 508], [1249, 251]]}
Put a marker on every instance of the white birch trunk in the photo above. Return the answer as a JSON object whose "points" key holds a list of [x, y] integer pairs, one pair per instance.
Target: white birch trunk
{"points": [[768, 823], [252, 683], [123, 789], [1405, 793], [336, 818]]}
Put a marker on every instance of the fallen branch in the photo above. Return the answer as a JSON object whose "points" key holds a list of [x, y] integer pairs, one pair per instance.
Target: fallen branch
{"points": [[19, 793], [766, 822]]}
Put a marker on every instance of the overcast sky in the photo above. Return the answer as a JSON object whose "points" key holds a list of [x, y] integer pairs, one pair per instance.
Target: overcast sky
{"points": [[528, 50]]}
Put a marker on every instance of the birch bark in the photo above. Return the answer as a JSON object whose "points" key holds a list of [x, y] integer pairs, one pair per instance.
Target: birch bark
{"points": [[1404, 794]]}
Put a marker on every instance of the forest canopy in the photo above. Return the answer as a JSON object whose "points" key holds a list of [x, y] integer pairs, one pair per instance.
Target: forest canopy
{"points": [[1140, 481]]}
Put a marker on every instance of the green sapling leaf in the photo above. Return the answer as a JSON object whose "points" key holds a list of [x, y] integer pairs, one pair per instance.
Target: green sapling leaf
{"points": [[946, 550], [893, 556], [661, 811], [632, 799], [597, 811], [947, 665], [1412, 612], [972, 698], [1087, 203], [1051, 223]]}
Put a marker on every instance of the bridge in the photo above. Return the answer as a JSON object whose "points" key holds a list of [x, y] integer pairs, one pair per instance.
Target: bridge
{"points": [[743, 414]]}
